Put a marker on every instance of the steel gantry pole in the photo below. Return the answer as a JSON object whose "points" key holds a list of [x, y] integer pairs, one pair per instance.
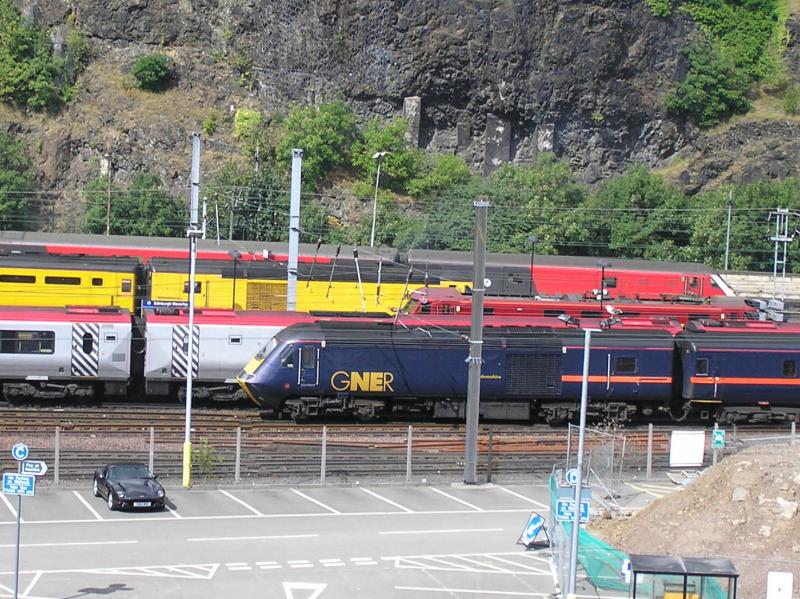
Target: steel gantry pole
{"points": [[476, 344], [193, 232], [294, 229], [576, 521]]}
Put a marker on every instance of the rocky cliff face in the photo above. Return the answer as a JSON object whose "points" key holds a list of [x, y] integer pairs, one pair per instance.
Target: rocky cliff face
{"points": [[497, 79]]}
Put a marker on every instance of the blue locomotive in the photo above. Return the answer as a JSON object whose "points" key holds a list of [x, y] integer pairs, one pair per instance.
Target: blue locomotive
{"points": [[374, 370], [731, 372]]}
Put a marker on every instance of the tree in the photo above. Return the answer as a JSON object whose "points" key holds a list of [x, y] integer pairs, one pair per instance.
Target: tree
{"points": [[143, 209], [436, 172], [636, 215], [398, 165], [324, 135], [258, 201], [533, 200], [17, 176]]}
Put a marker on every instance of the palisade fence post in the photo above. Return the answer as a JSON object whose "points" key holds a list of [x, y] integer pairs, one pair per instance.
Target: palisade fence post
{"points": [[714, 451], [237, 469], [650, 450], [57, 457], [489, 457], [794, 432], [408, 454], [152, 448], [324, 455]]}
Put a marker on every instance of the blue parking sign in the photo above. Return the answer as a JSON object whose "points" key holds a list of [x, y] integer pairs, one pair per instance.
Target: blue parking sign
{"points": [[19, 484]]}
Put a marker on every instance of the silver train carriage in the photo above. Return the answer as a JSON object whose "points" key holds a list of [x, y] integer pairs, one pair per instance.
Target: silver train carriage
{"points": [[57, 353]]}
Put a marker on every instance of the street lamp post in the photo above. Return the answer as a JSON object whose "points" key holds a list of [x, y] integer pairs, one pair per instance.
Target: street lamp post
{"points": [[235, 254], [603, 265], [379, 157], [532, 240]]}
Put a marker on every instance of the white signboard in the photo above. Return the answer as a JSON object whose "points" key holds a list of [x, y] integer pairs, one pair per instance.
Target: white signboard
{"points": [[779, 585], [686, 449]]}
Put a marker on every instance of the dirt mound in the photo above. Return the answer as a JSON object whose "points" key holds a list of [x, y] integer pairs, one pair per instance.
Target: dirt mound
{"points": [[744, 508]]}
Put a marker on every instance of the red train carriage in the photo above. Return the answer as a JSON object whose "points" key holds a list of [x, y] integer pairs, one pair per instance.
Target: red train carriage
{"points": [[451, 301]]}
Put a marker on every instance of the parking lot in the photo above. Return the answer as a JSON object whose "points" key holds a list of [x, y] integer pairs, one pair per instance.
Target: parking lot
{"points": [[289, 543]]}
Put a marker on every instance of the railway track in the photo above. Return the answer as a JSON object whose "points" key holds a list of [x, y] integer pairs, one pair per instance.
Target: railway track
{"points": [[279, 450]]}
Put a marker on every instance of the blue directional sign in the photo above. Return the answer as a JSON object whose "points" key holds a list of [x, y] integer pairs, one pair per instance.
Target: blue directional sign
{"points": [[718, 438], [565, 510], [19, 451], [35, 467], [19, 484], [164, 304]]}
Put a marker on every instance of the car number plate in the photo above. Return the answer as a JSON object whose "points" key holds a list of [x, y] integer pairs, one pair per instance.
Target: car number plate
{"points": [[141, 504]]}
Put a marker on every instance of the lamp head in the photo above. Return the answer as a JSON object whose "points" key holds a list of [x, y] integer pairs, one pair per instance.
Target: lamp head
{"points": [[603, 263], [379, 155], [532, 239], [235, 254]]}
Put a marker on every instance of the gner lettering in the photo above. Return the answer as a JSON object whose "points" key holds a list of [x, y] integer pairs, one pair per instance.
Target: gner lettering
{"points": [[362, 381]]}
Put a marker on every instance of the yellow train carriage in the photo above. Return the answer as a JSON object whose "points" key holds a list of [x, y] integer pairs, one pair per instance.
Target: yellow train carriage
{"points": [[262, 285], [53, 281]]}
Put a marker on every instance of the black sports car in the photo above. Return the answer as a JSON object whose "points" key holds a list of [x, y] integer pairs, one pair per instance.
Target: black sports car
{"points": [[128, 486]]}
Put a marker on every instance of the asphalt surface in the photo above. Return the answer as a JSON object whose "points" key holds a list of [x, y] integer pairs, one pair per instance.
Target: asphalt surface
{"points": [[287, 543]]}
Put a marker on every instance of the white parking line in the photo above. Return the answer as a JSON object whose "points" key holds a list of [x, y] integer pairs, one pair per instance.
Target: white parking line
{"points": [[319, 503], [299, 563], [10, 507], [173, 512], [528, 499], [88, 507], [437, 531], [240, 502], [472, 591], [389, 501], [261, 538], [27, 591], [461, 501], [72, 544]]}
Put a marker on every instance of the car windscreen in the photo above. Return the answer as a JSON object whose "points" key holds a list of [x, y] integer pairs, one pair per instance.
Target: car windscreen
{"points": [[123, 471]]}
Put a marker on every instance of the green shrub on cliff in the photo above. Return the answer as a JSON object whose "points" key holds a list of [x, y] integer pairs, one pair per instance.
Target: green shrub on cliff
{"points": [[30, 74], [17, 177], [151, 72]]}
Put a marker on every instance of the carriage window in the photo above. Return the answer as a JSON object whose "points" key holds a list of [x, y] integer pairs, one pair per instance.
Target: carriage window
{"points": [[27, 342], [692, 281], [17, 279], [553, 312], [591, 314], [88, 343], [701, 366], [197, 287], [308, 356], [62, 280], [488, 311], [789, 368], [126, 285], [235, 340], [287, 357], [97, 282], [626, 364], [610, 282]]}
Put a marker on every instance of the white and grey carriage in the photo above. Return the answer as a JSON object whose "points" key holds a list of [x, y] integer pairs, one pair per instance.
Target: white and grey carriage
{"points": [[56, 353], [224, 342]]}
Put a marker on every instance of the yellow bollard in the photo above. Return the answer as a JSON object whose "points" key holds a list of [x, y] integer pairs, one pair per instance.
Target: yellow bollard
{"points": [[187, 464]]}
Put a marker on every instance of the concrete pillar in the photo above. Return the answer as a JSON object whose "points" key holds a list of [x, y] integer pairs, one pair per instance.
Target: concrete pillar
{"points": [[463, 136], [545, 137], [497, 146], [412, 113]]}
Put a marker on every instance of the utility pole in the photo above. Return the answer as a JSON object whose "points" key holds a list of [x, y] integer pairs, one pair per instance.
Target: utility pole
{"points": [[728, 234], [193, 232], [476, 344], [294, 229], [108, 195]]}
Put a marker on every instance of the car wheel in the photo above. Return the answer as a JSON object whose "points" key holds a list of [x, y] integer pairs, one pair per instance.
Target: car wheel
{"points": [[111, 505], [95, 488]]}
